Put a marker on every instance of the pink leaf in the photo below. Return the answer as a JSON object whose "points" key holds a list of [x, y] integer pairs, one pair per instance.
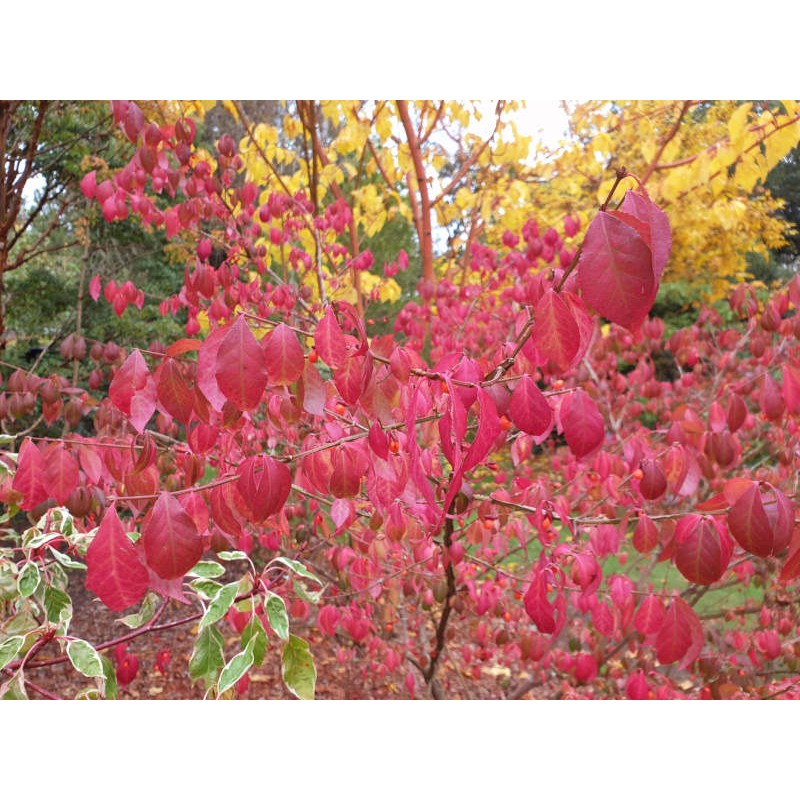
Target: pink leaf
{"points": [[329, 341], [284, 356], [639, 205], [677, 636], [556, 336], [95, 287], [528, 408], [61, 473], [29, 478], [133, 391], [649, 616], [583, 424]]}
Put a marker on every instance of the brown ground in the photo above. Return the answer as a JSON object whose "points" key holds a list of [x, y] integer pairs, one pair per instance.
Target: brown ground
{"points": [[96, 624]]}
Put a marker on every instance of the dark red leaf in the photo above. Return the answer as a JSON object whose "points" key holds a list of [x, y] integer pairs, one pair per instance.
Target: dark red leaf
{"points": [[675, 634], [264, 484], [702, 549], [615, 271], [172, 543], [241, 370], [114, 572]]}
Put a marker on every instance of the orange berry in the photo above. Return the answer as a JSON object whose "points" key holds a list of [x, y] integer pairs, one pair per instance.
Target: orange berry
{"points": [[638, 474], [313, 357], [505, 423]]}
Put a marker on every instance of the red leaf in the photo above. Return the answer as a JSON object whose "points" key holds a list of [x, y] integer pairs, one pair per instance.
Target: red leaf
{"points": [[207, 368], [61, 473], [674, 635], [791, 567], [241, 370], [29, 478], [183, 346], [615, 271], [660, 236], [329, 340], [264, 484], [649, 616], [645, 535], [702, 549], [556, 336], [114, 572], [538, 607], [653, 482], [583, 424], [285, 359], [314, 392], [172, 544], [528, 408], [761, 528], [89, 187], [487, 434], [133, 391], [173, 390], [349, 464], [352, 377]]}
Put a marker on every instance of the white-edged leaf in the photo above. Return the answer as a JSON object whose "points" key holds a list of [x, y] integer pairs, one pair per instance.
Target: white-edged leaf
{"points": [[236, 668], [85, 658], [219, 604], [277, 615], [297, 668], [9, 649]]}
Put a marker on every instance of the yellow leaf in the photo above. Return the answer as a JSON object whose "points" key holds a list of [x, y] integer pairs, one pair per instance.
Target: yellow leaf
{"points": [[738, 122], [780, 143]]}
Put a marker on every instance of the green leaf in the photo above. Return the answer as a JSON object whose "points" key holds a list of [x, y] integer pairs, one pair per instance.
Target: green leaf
{"points": [[304, 594], [254, 632], [14, 688], [220, 604], [206, 588], [233, 555], [299, 672], [206, 659], [235, 668], [297, 567], [28, 579], [111, 679], [206, 569], [65, 560], [57, 605], [85, 658], [145, 613], [9, 649], [277, 614]]}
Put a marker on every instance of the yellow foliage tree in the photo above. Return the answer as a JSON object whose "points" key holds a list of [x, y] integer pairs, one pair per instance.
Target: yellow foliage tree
{"points": [[704, 163]]}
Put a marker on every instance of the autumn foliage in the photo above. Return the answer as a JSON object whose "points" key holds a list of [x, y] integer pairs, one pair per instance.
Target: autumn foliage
{"points": [[508, 484]]}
